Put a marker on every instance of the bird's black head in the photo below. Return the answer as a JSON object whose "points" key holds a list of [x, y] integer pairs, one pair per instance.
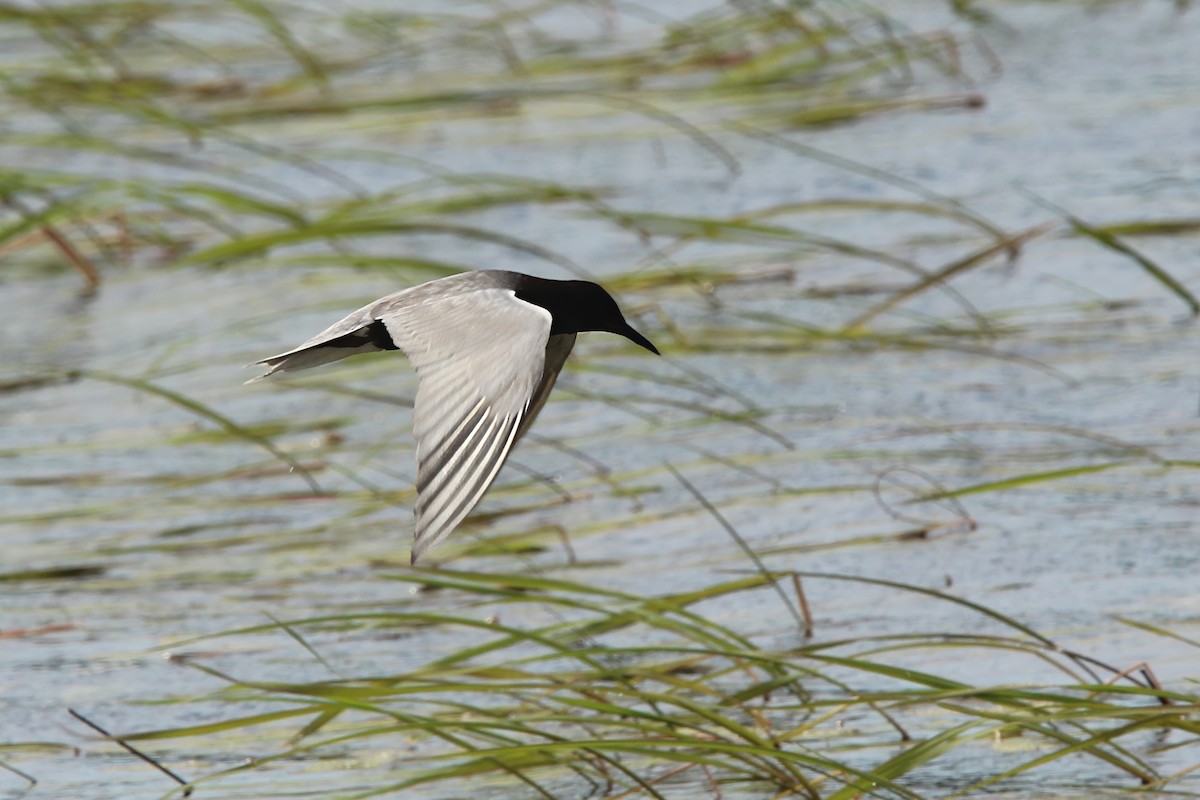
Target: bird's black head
{"points": [[578, 306]]}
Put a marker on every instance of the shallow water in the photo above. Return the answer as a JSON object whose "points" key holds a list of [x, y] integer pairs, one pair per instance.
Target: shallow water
{"points": [[186, 531]]}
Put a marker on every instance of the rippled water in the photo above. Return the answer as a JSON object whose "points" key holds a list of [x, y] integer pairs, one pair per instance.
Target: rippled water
{"points": [[181, 531]]}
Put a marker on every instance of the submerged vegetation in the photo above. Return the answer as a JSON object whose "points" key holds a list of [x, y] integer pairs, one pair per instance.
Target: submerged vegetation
{"points": [[213, 166]]}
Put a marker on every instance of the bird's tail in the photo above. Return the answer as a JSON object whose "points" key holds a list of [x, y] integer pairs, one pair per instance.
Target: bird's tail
{"points": [[309, 357]]}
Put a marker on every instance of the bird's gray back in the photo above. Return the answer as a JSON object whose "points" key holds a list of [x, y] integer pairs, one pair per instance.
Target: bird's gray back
{"points": [[465, 283]]}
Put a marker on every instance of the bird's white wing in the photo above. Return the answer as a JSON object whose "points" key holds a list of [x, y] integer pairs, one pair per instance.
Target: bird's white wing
{"points": [[557, 349], [479, 357]]}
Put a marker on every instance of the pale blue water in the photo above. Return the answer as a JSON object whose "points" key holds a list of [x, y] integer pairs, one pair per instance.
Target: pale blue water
{"points": [[1111, 138]]}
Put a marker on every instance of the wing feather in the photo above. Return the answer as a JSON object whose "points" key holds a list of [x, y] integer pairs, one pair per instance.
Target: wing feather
{"points": [[453, 442], [480, 359], [558, 347], [456, 489], [484, 464]]}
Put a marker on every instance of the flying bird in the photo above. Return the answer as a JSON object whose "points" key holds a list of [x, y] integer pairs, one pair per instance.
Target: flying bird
{"points": [[487, 347]]}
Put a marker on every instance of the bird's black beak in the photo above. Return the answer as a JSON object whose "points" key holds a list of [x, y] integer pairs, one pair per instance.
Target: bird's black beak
{"points": [[629, 333]]}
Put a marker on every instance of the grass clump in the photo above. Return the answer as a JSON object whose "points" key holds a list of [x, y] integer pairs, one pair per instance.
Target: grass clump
{"points": [[651, 695], [145, 91]]}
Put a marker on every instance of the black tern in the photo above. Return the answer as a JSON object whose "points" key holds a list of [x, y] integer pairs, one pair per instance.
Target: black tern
{"points": [[487, 347]]}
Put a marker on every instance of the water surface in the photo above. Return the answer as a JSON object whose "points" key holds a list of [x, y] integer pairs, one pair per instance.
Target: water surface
{"points": [[180, 530]]}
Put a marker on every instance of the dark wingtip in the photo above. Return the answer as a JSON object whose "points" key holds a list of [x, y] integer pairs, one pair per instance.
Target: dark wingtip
{"points": [[633, 336]]}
